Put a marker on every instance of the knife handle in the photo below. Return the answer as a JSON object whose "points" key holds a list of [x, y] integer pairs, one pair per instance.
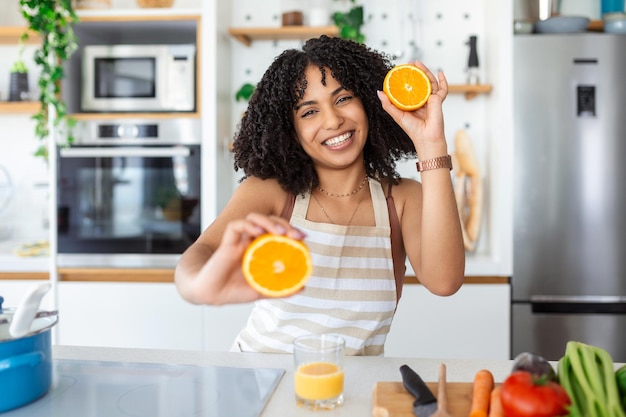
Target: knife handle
{"points": [[416, 386]]}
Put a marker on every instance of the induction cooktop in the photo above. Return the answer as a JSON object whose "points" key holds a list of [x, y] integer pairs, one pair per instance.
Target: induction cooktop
{"points": [[119, 389]]}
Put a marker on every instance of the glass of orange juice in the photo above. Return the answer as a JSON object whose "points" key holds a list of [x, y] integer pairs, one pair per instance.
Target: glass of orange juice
{"points": [[318, 376]]}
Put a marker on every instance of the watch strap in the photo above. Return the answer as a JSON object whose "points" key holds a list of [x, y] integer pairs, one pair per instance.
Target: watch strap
{"points": [[435, 163]]}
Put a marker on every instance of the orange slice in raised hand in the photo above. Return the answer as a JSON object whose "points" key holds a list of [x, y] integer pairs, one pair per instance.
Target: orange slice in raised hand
{"points": [[276, 265], [407, 86]]}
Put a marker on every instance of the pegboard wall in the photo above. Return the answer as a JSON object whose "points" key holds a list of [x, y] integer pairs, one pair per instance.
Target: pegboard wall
{"points": [[435, 32]]}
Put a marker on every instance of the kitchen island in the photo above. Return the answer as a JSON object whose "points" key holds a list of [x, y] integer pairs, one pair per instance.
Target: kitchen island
{"points": [[361, 373]]}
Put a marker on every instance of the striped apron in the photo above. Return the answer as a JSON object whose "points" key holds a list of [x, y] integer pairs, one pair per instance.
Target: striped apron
{"points": [[352, 291]]}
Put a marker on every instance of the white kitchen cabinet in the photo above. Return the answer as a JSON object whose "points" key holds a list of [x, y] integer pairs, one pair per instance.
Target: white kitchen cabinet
{"points": [[135, 315], [223, 323], [474, 323]]}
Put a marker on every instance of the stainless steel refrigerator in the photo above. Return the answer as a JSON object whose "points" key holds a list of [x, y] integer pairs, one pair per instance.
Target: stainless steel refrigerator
{"points": [[569, 263]]}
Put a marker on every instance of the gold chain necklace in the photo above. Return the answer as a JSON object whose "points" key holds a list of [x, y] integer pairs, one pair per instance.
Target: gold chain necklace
{"points": [[328, 217], [347, 194]]}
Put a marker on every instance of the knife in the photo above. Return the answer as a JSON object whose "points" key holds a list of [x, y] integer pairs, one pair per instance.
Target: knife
{"points": [[425, 403]]}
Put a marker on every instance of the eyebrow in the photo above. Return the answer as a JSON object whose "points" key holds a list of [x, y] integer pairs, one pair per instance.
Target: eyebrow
{"points": [[306, 103]]}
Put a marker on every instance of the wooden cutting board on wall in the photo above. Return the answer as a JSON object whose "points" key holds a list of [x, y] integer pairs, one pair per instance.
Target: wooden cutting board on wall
{"points": [[390, 399]]}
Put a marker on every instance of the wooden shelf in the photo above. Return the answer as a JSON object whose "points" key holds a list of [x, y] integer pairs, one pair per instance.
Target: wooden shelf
{"points": [[16, 107], [470, 90], [104, 18], [143, 15], [10, 35], [247, 35]]}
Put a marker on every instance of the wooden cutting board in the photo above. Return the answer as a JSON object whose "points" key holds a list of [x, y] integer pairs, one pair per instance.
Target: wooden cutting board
{"points": [[390, 399]]}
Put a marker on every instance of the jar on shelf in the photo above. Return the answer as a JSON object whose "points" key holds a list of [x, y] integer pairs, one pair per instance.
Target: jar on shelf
{"points": [[292, 14], [319, 12]]}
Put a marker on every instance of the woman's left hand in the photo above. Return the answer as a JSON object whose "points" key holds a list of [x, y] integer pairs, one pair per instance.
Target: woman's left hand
{"points": [[424, 125]]}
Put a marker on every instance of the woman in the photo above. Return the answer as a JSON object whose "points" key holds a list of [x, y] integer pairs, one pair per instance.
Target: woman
{"points": [[318, 144]]}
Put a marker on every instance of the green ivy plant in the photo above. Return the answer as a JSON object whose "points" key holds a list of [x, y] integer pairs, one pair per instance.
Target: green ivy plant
{"points": [[52, 21], [350, 22]]}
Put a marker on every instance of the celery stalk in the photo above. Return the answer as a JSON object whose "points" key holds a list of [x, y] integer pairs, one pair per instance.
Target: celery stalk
{"points": [[593, 407], [564, 375], [610, 384]]}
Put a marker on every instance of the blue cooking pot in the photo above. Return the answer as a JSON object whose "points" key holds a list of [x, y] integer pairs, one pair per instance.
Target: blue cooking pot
{"points": [[25, 362]]}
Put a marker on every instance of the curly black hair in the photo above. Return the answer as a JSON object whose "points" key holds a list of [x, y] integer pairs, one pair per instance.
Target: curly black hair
{"points": [[265, 145]]}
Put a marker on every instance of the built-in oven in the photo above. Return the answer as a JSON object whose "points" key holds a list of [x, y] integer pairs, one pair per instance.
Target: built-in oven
{"points": [[130, 187]]}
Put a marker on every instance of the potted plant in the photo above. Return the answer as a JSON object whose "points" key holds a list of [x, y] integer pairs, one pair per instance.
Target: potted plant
{"points": [[350, 22], [245, 92], [52, 21], [18, 80]]}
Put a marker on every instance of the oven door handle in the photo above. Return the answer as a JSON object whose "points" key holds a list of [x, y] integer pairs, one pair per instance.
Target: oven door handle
{"points": [[123, 152]]}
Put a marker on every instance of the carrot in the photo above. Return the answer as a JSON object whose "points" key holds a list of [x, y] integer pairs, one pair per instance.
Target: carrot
{"points": [[495, 405], [481, 394]]}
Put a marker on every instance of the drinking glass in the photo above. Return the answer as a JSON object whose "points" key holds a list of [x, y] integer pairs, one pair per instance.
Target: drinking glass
{"points": [[318, 376]]}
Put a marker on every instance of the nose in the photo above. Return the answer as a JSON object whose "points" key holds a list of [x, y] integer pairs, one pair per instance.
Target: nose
{"points": [[332, 119]]}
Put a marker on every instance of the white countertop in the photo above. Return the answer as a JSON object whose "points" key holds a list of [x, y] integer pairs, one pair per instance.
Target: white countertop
{"points": [[361, 373]]}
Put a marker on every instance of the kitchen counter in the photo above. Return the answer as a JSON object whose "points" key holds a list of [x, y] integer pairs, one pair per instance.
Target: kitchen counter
{"points": [[361, 372]]}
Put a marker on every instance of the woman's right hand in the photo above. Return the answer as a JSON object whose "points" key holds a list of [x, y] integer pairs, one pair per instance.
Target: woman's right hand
{"points": [[221, 280]]}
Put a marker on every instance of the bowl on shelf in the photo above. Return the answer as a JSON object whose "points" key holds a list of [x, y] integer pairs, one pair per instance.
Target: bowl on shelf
{"points": [[562, 24], [615, 23]]}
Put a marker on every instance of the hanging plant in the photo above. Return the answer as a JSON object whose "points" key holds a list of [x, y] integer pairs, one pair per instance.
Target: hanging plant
{"points": [[350, 22], [52, 21]]}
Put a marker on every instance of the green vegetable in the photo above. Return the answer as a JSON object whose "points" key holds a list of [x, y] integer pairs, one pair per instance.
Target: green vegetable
{"points": [[586, 372], [620, 379]]}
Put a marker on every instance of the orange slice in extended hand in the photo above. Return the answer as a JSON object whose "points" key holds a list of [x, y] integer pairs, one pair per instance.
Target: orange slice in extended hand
{"points": [[407, 86], [276, 265]]}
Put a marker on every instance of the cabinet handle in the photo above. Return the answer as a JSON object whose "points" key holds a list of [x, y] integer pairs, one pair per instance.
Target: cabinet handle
{"points": [[123, 152], [578, 304]]}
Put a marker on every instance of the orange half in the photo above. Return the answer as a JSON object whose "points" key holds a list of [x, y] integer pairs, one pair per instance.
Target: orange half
{"points": [[407, 86], [276, 265]]}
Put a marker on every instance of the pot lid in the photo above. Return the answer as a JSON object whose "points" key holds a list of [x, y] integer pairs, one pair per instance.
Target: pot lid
{"points": [[43, 321]]}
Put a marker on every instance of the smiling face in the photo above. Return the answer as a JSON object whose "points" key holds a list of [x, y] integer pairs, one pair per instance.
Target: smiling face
{"points": [[330, 122]]}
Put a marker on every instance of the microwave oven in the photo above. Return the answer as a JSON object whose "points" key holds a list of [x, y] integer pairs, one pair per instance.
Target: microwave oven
{"points": [[138, 78]]}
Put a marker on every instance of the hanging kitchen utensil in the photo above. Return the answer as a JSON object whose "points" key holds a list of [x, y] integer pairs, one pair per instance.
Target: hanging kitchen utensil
{"points": [[468, 189], [27, 310], [472, 62]]}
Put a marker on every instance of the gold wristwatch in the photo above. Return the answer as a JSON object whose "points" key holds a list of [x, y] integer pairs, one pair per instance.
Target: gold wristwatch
{"points": [[435, 163]]}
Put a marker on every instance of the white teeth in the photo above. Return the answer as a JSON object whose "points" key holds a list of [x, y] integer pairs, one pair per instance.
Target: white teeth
{"points": [[338, 140]]}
